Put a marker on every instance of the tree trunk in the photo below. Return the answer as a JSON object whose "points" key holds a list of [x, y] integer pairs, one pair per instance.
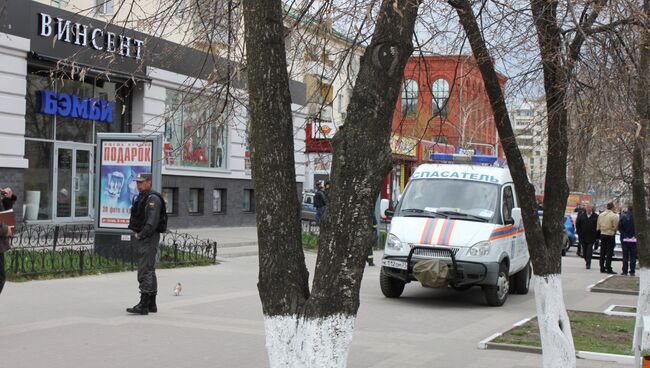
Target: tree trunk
{"points": [[303, 329], [544, 243], [640, 214]]}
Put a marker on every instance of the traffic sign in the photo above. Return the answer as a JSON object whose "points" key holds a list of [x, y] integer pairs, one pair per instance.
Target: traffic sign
{"points": [[591, 190]]}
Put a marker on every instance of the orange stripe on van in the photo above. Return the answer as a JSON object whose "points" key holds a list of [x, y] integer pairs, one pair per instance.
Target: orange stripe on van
{"points": [[425, 232], [449, 231]]}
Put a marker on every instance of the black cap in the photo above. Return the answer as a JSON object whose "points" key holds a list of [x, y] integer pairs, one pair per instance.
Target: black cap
{"points": [[143, 177]]}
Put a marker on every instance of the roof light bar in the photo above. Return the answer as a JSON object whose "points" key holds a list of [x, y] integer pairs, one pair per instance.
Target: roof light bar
{"points": [[476, 159]]}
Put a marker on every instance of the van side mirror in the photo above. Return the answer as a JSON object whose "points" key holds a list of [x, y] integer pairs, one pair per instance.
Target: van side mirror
{"points": [[515, 216], [383, 208]]}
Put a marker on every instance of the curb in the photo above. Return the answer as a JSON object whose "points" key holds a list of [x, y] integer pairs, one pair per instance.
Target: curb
{"points": [[598, 282], [487, 343], [611, 312], [613, 291]]}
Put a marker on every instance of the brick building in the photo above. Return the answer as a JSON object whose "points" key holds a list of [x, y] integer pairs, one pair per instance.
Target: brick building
{"points": [[443, 106]]}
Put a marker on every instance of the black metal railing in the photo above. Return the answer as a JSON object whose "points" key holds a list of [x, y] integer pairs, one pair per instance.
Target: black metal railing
{"points": [[55, 249]]}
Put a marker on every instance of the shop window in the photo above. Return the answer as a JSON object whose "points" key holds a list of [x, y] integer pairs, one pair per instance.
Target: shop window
{"points": [[170, 195], [195, 202], [440, 100], [218, 200], [37, 125], [105, 6], [38, 180], [248, 204], [196, 133], [70, 128], [410, 98]]}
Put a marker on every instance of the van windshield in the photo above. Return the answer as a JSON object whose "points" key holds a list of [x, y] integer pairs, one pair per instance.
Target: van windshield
{"points": [[461, 199]]}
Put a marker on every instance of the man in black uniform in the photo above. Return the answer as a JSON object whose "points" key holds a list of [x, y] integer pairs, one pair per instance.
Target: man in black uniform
{"points": [[145, 215]]}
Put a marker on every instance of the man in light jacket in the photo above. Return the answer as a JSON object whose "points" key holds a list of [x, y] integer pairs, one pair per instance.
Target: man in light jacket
{"points": [[607, 225]]}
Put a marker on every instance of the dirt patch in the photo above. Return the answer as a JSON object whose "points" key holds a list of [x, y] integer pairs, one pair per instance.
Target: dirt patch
{"points": [[595, 332], [627, 283]]}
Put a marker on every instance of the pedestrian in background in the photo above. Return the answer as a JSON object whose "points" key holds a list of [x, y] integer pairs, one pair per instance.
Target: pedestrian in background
{"points": [[586, 227], [144, 221], [607, 225], [628, 241], [8, 198], [320, 201]]}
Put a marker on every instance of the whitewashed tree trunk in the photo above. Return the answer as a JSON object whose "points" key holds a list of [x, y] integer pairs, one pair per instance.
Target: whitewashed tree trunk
{"points": [[554, 324], [300, 342], [643, 305]]}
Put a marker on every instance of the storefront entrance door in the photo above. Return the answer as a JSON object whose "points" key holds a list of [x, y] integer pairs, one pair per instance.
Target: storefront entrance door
{"points": [[73, 171]]}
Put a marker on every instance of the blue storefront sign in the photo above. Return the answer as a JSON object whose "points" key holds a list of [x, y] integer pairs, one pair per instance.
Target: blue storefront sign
{"points": [[66, 105]]}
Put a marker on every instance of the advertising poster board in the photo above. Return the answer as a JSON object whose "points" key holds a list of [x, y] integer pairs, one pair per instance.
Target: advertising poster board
{"points": [[120, 163], [119, 159]]}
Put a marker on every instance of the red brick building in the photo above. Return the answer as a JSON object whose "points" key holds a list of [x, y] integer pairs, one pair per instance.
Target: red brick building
{"points": [[443, 100], [443, 107]]}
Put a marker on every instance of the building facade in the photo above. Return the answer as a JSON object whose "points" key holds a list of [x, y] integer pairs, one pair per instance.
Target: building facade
{"points": [[443, 108], [67, 77], [529, 123]]}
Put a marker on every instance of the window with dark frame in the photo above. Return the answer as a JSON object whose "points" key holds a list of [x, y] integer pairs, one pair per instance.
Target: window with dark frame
{"points": [[195, 201], [218, 200], [409, 98], [170, 195], [249, 200], [440, 100], [105, 6]]}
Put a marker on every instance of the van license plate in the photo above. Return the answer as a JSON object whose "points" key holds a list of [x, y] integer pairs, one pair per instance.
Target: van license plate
{"points": [[394, 264]]}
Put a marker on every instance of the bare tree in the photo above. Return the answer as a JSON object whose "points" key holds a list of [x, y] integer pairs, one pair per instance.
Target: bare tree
{"points": [[544, 241], [303, 327]]}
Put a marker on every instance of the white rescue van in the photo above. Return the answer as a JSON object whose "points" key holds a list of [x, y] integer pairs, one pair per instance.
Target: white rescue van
{"points": [[466, 216]]}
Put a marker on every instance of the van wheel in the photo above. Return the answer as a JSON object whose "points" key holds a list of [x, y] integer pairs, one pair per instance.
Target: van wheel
{"points": [[522, 280], [496, 295], [390, 286]]}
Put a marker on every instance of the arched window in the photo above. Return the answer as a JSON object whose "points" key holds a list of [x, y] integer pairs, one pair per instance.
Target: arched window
{"points": [[409, 98], [440, 92]]}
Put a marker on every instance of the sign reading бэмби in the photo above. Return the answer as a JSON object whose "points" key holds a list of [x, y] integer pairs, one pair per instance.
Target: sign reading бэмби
{"points": [[65, 105], [85, 36]]}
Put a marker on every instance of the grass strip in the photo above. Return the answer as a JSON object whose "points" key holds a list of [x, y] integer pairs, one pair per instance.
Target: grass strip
{"points": [[594, 332]]}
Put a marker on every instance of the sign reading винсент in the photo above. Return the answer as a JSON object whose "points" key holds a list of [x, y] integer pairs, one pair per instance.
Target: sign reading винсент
{"points": [[86, 36], [66, 105]]}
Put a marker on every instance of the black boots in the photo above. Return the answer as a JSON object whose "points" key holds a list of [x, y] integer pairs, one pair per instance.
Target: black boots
{"points": [[142, 307], [153, 308]]}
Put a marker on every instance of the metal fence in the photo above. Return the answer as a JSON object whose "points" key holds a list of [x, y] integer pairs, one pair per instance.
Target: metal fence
{"points": [[54, 249]]}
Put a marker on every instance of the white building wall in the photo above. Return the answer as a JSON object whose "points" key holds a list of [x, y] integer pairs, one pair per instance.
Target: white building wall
{"points": [[13, 89]]}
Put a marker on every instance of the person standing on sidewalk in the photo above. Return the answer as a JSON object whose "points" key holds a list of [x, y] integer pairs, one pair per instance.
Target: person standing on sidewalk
{"points": [[7, 200], [607, 225], [145, 217], [320, 201], [628, 242], [586, 225]]}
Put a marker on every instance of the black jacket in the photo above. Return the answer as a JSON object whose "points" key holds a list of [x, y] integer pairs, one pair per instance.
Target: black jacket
{"points": [[626, 226], [586, 227], [319, 199], [145, 214]]}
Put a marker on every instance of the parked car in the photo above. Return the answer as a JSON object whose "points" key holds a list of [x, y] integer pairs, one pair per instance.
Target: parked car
{"points": [[618, 249], [308, 211], [569, 234], [570, 226]]}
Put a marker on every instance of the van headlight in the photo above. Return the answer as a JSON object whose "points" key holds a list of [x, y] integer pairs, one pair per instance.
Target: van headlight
{"points": [[479, 249], [393, 243]]}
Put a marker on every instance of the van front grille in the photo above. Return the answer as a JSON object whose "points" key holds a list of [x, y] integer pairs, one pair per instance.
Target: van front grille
{"points": [[432, 253]]}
